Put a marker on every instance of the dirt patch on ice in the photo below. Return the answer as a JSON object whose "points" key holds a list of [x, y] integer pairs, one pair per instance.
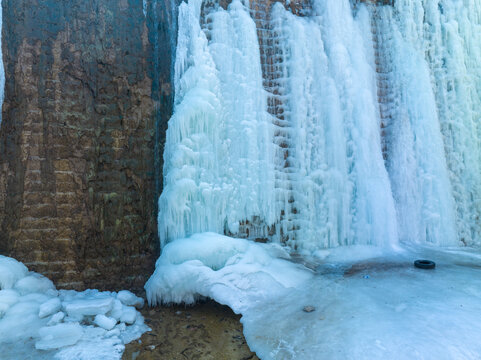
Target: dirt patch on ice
{"points": [[374, 267], [205, 331]]}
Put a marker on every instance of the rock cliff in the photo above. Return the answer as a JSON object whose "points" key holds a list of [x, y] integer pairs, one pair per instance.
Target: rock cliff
{"points": [[83, 116]]}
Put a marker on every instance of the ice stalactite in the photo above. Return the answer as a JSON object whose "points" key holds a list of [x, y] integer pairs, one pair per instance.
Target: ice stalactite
{"points": [[280, 133], [430, 61], [329, 187], [453, 51], [218, 168], [340, 187]]}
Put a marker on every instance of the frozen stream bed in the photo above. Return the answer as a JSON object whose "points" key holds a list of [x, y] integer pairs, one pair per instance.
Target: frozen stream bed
{"points": [[369, 303], [380, 307]]}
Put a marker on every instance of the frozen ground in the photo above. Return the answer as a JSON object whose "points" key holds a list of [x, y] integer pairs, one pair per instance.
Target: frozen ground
{"points": [[39, 322], [369, 303]]}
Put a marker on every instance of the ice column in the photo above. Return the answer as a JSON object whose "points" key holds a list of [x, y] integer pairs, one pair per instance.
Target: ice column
{"points": [[433, 141], [312, 171], [341, 188], [218, 156]]}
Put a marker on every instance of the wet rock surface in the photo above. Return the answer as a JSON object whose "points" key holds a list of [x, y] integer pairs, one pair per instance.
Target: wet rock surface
{"points": [[78, 187], [205, 331]]}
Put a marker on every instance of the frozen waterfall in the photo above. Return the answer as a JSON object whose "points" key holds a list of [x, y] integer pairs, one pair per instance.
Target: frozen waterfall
{"points": [[338, 124], [321, 128]]}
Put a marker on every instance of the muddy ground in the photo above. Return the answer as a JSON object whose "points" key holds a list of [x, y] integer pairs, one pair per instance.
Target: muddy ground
{"points": [[205, 331]]}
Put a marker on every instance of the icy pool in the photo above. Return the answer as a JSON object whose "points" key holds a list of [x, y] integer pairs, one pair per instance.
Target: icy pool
{"points": [[381, 307], [369, 303]]}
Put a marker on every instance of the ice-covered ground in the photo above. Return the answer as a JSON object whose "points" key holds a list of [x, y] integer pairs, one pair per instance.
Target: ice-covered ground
{"points": [[234, 272], [369, 303], [37, 321]]}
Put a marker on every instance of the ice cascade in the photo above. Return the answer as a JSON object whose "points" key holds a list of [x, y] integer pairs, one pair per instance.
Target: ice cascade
{"points": [[342, 123]]}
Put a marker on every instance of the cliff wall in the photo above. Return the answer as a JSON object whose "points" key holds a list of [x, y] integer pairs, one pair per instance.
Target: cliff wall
{"points": [[82, 121]]}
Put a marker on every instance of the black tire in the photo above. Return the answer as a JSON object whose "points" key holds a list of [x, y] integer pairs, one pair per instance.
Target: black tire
{"points": [[425, 264]]}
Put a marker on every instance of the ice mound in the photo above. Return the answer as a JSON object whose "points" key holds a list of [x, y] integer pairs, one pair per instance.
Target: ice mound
{"points": [[10, 272], [63, 324], [234, 272]]}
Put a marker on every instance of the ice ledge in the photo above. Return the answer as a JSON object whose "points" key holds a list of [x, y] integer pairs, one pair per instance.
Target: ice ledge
{"points": [[234, 272]]}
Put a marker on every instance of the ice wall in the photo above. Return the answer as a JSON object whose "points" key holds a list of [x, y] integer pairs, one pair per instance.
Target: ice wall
{"points": [[341, 190], [291, 148], [429, 52], [218, 155]]}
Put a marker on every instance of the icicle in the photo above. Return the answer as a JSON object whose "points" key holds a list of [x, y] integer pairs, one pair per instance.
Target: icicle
{"points": [[291, 148], [433, 144], [218, 156]]}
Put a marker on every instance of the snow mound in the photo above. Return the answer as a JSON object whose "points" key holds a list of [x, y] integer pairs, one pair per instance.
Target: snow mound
{"points": [[34, 283], [63, 324], [234, 272]]}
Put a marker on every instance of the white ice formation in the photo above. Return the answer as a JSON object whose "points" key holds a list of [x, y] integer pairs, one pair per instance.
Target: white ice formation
{"points": [[236, 272], [62, 324], [349, 125], [344, 125]]}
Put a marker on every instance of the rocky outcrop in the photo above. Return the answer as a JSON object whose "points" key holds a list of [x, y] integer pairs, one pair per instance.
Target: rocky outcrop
{"points": [[82, 120]]}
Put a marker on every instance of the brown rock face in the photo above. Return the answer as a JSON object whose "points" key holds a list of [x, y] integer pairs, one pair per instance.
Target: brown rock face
{"points": [[78, 185]]}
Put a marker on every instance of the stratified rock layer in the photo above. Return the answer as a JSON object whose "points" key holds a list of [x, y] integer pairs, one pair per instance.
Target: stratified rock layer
{"points": [[77, 182]]}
